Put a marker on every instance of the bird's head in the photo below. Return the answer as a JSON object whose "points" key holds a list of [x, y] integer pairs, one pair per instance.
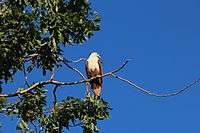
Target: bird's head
{"points": [[96, 55]]}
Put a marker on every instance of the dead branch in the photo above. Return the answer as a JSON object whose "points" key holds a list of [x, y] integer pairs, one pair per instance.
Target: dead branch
{"points": [[112, 73], [146, 91], [76, 61], [54, 82], [52, 74], [54, 95], [66, 62], [29, 57], [25, 76]]}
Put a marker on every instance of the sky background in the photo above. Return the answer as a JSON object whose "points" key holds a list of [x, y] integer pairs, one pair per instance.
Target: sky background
{"points": [[162, 38]]}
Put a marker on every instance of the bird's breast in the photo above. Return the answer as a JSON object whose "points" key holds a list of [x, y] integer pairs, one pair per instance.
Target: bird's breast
{"points": [[93, 64]]}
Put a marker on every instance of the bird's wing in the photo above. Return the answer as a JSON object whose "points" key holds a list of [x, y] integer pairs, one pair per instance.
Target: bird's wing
{"points": [[94, 73], [100, 71], [88, 73]]}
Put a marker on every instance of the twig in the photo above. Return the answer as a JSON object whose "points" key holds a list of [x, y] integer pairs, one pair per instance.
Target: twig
{"points": [[54, 82], [3, 1], [52, 74], [76, 61], [2, 110], [54, 95], [25, 76], [77, 124], [65, 61], [29, 57], [156, 94], [87, 89], [34, 126]]}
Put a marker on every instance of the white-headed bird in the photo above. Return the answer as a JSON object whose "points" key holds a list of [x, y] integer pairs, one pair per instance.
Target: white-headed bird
{"points": [[94, 68]]}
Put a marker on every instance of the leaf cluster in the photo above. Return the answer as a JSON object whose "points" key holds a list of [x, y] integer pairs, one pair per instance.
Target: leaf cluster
{"points": [[41, 27], [78, 112], [2, 103], [30, 106], [33, 34], [70, 112]]}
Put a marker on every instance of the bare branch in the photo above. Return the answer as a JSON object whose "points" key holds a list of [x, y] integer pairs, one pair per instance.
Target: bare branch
{"points": [[112, 73], [54, 95], [29, 57], [52, 74], [77, 124], [25, 76], [34, 126], [66, 62], [76, 61], [146, 91], [54, 82]]}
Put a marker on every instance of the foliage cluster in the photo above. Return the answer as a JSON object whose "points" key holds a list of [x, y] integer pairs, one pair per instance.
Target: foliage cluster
{"points": [[33, 34], [41, 27], [68, 113], [74, 111]]}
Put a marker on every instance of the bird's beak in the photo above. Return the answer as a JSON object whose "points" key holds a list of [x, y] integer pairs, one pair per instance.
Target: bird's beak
{"points": [[100, 59]]}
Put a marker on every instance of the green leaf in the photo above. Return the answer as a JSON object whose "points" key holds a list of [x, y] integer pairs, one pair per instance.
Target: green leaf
{"points": [[22, 125]]}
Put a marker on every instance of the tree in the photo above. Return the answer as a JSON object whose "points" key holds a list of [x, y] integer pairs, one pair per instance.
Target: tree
{"points": [[33, 35]]}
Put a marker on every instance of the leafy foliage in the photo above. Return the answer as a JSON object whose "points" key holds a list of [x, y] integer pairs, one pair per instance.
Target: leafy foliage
{"points": [[32, 35], [40, 27], [30, 106], [2, 103], [72, 110]]}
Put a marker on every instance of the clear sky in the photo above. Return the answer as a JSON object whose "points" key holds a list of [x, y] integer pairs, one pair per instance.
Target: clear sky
{"points": [[163, 38]]}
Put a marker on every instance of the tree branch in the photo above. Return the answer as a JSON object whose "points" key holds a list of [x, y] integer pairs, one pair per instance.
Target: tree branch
{"points": [[54, 82], [112, 73], [29, 57], [25, 76], [54, 95], [66, 62], [146, 91], [76, 61], [52, 74]]}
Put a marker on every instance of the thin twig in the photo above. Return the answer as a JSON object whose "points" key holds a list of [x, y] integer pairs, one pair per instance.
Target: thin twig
{"points": [[29, 57], [25, 76], [52, 74], [65, 61], [77, 124], [146, 91], [34, 126], [54, 95], [87, 89], [76, 61]]}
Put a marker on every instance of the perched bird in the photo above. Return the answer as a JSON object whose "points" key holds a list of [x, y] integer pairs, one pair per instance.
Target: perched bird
{"points": [[94, 68]]}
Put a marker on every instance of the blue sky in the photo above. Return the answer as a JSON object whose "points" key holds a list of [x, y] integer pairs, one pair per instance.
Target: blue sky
{"points": [[163, 39]]}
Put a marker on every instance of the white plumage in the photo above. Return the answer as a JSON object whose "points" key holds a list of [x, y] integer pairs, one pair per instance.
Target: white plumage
{"points": [[93, 69], [93, 62]]}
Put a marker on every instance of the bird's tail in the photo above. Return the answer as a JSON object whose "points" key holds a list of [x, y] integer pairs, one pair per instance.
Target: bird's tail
{"points": [[97, 89]]}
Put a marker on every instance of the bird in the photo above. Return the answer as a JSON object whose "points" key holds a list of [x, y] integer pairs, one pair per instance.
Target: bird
{"points": [[93, 68]]}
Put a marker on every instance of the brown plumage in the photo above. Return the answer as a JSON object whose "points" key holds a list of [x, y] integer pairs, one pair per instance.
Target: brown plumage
{"points": [[93, 69]]}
